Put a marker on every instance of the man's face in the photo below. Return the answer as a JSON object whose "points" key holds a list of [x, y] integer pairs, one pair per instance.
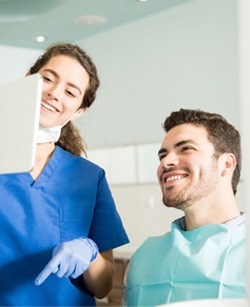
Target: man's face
{"points": [[188, 170]]}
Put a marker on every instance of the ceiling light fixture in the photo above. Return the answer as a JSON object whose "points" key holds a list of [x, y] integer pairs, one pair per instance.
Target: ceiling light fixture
{"points": [[90, 20], [40, 38]]}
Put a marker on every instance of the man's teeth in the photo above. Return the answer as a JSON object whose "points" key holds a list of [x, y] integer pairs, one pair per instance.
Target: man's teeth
{"points": [[48, 106], [175, 177]]}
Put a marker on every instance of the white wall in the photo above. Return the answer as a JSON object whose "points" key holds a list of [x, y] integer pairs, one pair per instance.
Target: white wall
{"points": [[15, 62], [244, 81], [186, 56]]}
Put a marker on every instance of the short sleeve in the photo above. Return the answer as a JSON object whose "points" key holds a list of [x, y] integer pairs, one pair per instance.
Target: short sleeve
{"points": [[106, 229]]}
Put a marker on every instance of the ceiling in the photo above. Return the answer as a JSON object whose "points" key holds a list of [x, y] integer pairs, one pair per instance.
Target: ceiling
{"points": [[21, 21]]}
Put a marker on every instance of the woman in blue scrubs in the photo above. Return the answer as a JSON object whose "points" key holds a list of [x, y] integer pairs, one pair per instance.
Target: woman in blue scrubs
{"points": [[59, 223]]}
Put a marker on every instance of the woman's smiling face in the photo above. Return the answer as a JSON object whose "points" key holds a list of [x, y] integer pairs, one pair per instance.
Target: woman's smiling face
{"points": [[64, 84]]}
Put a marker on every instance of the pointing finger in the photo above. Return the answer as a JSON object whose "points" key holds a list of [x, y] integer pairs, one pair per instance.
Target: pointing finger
{"points": [[51, 267]]}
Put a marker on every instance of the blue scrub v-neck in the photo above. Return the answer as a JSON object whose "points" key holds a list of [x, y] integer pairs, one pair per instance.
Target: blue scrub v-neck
{"points": [[47, 172]]}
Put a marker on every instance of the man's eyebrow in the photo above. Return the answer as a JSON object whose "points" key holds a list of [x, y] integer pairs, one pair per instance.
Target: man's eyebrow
{"points": [[184, 142], [179, 144], [54, 73]]}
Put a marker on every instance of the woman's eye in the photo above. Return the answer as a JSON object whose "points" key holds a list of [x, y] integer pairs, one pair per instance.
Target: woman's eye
{"points": [[47, 79], [71, 94]]}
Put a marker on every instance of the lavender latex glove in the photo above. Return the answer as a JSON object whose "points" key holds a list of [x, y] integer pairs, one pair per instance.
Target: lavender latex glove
{"points": [[69, 259]]}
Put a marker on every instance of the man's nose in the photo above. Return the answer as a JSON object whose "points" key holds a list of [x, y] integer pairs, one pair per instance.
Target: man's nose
{"points": [[171, 159]]}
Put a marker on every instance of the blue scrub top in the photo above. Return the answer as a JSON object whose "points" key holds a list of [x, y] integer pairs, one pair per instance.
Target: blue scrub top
{"points": [[70, 199]]}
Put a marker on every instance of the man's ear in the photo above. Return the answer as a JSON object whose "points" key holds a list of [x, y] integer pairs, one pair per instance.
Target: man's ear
{"points": [[229, 162], [79, 113]]}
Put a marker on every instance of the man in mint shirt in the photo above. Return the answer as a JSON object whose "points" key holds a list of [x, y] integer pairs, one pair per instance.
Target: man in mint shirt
{"points": [[203, 256]]}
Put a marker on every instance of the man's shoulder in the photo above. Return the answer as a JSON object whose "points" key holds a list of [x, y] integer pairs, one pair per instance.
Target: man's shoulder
{"points": [[160, 242], [152, 246], [147, 256]]}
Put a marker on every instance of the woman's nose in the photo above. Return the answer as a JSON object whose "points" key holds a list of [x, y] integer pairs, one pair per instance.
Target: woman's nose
{"points": [[54, 92]]}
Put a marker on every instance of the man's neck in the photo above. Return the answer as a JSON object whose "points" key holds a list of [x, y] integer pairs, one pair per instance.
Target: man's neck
{"points": [[205, 213]]}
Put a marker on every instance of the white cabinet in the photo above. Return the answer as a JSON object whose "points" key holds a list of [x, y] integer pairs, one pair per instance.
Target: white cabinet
{"points": [[147, 162], [128, 164], [119, 163]]}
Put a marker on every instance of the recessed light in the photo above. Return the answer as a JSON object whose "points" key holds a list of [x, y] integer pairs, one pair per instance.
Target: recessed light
{"points": [[40, 38], [90, 20]]}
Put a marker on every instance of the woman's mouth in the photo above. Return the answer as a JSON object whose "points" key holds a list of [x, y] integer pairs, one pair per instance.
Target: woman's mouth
{"points": [[49, 107]]}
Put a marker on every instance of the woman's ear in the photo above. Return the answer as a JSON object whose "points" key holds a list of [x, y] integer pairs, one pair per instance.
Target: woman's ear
{"points": [[79, 113], [228, 164]]}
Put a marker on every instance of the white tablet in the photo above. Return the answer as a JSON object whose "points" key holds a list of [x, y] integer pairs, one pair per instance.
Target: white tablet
{"points": [[20, 102]]}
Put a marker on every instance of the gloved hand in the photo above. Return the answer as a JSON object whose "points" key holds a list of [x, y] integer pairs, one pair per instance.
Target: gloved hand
{"points": [[70, 259]]}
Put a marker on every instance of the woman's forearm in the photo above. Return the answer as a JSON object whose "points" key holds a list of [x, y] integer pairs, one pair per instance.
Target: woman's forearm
{"points": [[98, 279]]}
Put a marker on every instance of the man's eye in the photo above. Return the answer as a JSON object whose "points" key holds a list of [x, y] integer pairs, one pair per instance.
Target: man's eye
{"points": [[187, 148], [161, 157]]}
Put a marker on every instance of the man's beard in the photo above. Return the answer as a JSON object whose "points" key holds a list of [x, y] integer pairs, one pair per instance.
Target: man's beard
{"points": [[181, 201], [192, 193]]}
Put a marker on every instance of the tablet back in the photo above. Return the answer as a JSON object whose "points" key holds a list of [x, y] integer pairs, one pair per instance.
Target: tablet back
{"points": [[19, 120]]}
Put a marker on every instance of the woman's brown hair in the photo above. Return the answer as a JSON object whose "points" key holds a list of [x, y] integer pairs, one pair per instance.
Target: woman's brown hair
{"points": [[70, 138]]}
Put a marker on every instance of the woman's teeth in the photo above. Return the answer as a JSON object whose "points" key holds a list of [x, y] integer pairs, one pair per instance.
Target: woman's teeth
{"points": [[48, 106]]}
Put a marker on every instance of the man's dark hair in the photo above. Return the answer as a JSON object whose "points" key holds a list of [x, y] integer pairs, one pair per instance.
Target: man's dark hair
{"points": [[224, 137]]}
